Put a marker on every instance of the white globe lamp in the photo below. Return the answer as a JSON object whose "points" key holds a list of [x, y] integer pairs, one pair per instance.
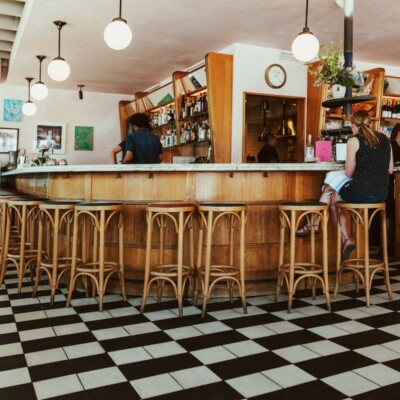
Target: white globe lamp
{"points": [[59, 69], [118, 34], [29, 108]]}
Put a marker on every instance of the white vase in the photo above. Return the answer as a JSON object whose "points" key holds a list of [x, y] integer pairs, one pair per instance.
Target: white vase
{"points": [[338, 91]]}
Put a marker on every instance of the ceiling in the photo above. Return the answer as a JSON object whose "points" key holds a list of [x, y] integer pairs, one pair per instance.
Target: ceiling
{"points": [[170, 35]]}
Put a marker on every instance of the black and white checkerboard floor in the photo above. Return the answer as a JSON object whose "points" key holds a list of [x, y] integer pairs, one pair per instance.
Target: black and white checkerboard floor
{"points": [[79, 353]]}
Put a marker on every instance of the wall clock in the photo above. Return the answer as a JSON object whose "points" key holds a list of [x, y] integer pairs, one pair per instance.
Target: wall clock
{"points": [[275, 76]]}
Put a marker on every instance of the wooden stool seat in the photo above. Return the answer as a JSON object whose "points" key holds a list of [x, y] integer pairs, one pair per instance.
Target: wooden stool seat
{"points": [[92, 221], [208, 274], [362, 265], [179, 216], [55, 220], [293, 216], [21, 212]]}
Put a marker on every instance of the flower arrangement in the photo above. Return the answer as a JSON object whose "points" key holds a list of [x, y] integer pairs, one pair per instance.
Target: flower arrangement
{"points": [[331, 69]]}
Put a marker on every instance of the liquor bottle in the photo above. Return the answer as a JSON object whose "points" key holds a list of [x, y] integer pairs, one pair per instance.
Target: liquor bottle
{"points": [[310, 150], [199, 103], [394, 115], [384, 109], [183, 106]]}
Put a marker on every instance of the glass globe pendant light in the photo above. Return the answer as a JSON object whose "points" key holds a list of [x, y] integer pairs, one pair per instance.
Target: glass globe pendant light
{"points": [[39, 90], [306, 46], [59, 69], [29, 108], [117, 33]]}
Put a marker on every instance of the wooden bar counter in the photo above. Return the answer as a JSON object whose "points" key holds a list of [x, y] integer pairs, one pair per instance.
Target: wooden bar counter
{"points": [[261, 186]]}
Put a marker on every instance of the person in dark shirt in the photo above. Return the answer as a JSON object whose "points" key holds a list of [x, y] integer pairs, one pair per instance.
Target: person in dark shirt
{"points": [[116, 150], [268, 153], [142, 146]]}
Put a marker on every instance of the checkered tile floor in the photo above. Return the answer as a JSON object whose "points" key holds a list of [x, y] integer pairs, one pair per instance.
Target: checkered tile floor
{"points": [[79, 353]]}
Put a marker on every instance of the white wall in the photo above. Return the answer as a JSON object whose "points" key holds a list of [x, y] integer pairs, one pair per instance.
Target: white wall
{"points": [[99, 110]]}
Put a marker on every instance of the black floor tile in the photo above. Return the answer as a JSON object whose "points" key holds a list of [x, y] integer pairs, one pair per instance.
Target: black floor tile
{"points": [[211, 340], [385, 393], [378, 321], [91, 363], [334, 364], [215, 391], [315, 390], [6, 338], [244, 322], [12, 362], [121, 391], [50, 370], [362, 339], [115, 322], [319, 320], [20, 392]]}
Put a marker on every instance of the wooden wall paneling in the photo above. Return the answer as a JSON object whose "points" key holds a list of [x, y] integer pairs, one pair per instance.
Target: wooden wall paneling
{"points": [[70, 186], [219, 71]]}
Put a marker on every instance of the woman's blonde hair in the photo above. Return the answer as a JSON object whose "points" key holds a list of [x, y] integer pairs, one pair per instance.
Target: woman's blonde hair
{"points": [[362, 120]]}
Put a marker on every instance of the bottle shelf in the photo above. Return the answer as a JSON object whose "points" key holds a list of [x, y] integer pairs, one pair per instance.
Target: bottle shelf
{"points": [[394, 120], [194, 116]]}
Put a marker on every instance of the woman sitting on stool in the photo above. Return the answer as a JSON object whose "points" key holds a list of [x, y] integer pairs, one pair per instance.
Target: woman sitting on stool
{"points": [[369, 161]]}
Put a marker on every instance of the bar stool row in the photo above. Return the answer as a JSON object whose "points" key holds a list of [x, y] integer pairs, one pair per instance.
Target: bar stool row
{"points": [[86, 225], [92, 220]]}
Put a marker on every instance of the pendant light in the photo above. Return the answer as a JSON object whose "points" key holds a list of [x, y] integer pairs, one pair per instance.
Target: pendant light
{"points": [[80, 91], [306, 46], [117, 34], [39, 90], [29, 108], [58, 69]]}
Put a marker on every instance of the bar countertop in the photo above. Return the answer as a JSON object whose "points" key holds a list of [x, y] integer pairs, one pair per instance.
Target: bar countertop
{"points": [[322, 166]]}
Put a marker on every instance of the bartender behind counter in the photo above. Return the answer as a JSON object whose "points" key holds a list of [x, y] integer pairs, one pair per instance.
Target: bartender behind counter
{"points": [[268, 153], [142, 146]]}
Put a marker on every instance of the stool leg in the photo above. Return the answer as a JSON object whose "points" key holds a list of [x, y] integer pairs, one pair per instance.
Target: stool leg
{"points": [[74, 256], [5, 247], [180, 262], [367, 283], [101, 258], [197, 277], [292, 259], [121, 272], [242, 261], [148, 261], [21, 264], [39, 258], [206, 282], [325, 257], [281, 254], [338, 252], [385, 254]]}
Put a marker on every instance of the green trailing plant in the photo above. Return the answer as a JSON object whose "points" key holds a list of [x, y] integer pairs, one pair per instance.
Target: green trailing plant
{"points": [[331, 69]]}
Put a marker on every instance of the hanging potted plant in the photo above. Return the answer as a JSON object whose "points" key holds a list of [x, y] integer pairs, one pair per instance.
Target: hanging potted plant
{"points": [[332, 70]]}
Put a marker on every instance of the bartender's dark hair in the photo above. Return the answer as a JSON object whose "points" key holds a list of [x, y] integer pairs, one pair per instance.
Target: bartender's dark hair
{"points": [[269, 136], [140, 120], [395, 132]]}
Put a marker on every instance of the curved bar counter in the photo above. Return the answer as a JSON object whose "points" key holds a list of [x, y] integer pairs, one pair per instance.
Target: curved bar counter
{"points": [[261, 186]]}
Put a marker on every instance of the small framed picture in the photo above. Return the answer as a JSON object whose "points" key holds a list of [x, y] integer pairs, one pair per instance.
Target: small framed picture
{"points": [[8, 139], [51, 135]]}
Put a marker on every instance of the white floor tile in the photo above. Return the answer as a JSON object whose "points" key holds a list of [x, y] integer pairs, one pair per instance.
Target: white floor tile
{"points": [[376, 310], [328, 331], [253, 385], [34, 334], [11, 349], [350, 383], [57, 386], [257, 301], [30, 316], [289, 375], [311, 310], [325, 347], [24, 302], [95, 316], [139, 329], [245, 348], [255, 332], [10, 327], [392, 329], [124, 311], [295, 354], [283, 327], [13, 377], [160, 315], [155, 385], [352, 326], [183, 332], [378, 353], [85, 301], [5, 311], [47, 299], [380, 374], [60, 312], [109, 298], [212, 327], [213, 355], [45, 356], [110, 333], [251, 310], [226, 314], [83, 350], [393, 345], [62, 330], [128, 356], [283, 314], [190, 310], [164, 349], [101, 377], [196, 376]]}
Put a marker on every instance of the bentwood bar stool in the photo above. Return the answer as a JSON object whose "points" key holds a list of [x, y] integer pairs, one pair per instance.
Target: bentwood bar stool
{"points": [[362, 265], [55, 224], [173, 220], [209, 274], [293, 271], [22, 213], [4, 199], [92, 223]]}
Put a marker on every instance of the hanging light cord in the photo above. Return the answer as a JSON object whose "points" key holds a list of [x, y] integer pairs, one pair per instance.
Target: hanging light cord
{"points": [[306, 15], [120, 8]]}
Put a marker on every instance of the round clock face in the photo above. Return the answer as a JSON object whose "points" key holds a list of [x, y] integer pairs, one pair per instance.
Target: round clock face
{"points": [[275, 75]]}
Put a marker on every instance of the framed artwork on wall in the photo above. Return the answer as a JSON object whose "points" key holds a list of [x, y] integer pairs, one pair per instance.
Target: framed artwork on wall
{"points": [[8, 139], [84, 138], [12, 110], [51, 135]]}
